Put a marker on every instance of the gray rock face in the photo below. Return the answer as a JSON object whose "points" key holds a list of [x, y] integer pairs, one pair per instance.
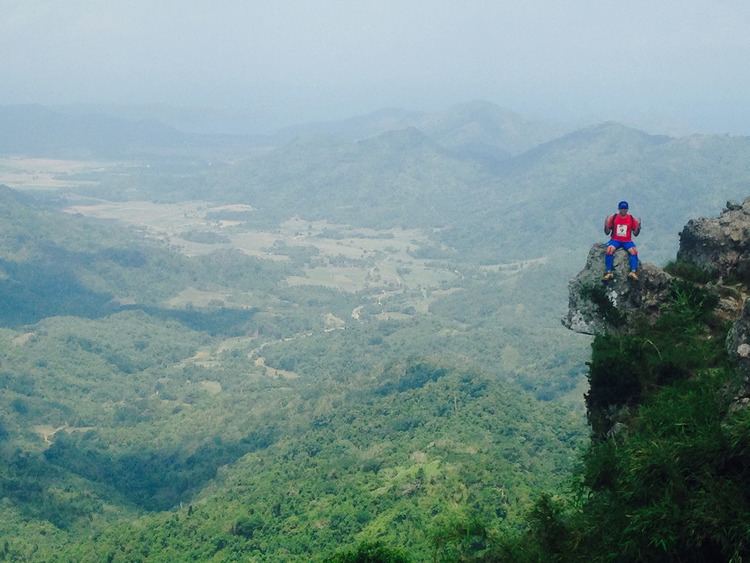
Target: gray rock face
{"points": [[596, 308], [738, 339], [721, 244], [738, 347]]}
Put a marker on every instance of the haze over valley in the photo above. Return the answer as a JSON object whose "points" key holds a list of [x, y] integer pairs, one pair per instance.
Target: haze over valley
{"points": [[285, 282]]}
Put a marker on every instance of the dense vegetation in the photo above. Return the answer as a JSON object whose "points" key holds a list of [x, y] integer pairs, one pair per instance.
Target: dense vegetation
{"points": [[120, 407], [665, 477]]}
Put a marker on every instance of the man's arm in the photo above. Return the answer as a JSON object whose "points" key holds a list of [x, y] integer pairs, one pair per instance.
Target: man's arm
{"points": [[636, 226], [608, 224]]}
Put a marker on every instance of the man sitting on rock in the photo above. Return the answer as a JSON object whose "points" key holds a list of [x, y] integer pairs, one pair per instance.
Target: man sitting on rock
{"points": [[621, 227]]}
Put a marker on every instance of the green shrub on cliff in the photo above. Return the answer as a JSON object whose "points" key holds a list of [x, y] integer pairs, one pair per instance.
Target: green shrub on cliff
{"points": [[666, 475], [625, 368]]}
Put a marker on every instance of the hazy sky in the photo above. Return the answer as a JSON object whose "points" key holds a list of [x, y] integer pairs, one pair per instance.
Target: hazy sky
{"points": [[665, 62]]}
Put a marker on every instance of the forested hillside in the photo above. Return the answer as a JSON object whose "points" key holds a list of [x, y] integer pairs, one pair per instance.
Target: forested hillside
{"points": [[137, 379]]}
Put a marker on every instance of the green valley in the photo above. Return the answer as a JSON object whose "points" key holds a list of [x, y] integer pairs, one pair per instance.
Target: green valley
{"points": [[287, 348]]}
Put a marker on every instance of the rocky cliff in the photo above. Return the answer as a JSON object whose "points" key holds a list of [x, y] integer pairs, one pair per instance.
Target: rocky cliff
{"points": [[712, 269], [597, 308], [721, 245], [667, 472], [714, 252]]}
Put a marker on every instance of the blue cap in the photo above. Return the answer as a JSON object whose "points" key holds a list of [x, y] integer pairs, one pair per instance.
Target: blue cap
{"points": [[622, 205]]}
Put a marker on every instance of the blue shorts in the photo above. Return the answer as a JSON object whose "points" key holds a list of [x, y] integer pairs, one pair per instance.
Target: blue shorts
{"points": [[618, 244]]}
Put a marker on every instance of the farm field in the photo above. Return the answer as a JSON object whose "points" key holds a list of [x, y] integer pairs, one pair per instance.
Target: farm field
{"points": [[25, 173], [340, 256]]}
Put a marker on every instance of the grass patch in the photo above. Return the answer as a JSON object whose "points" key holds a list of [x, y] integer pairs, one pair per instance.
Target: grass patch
{"points": [[690, 272], [625, 368]]}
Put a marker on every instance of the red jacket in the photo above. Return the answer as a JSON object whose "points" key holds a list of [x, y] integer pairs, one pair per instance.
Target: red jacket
{"points": [[622, 228]]}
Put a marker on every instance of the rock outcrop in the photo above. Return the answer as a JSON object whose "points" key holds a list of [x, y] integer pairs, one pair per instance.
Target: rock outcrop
{"points": [[596, 308], [738, 339], [720, 245], [718, 248]]}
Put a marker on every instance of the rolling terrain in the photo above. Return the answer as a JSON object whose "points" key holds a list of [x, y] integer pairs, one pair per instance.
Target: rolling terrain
{"points": [[344, 333]]}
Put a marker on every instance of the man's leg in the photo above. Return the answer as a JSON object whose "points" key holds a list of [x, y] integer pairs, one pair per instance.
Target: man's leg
{"points": [[609, 258], [633, 255], [633, 251]]}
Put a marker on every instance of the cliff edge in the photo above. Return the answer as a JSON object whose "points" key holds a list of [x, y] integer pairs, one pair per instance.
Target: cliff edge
{"points": [[705, 292], [598, 308], [714, 253]]}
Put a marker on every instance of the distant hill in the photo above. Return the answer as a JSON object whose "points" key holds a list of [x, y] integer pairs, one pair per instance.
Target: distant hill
{"points": [[39, 130], [353, 128], [556, 191], [472, 123], [486, 131], [397, 177], [494, 183], [33, 129], [565, 187], [477, 129]]}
